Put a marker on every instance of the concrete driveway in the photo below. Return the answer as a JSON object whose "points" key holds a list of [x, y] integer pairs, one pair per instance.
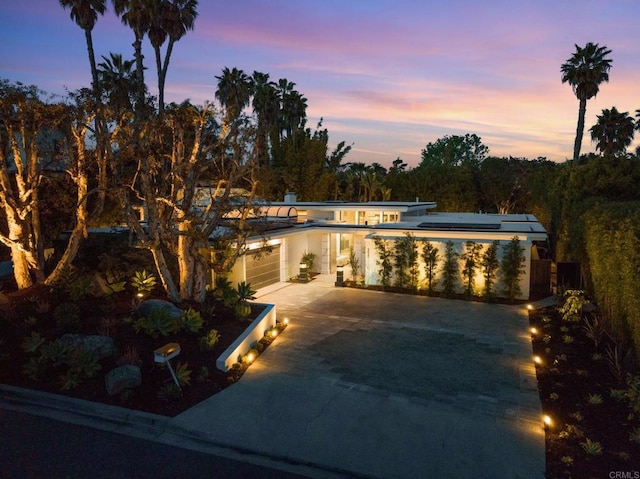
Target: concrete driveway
{"points": [[383, 385]]}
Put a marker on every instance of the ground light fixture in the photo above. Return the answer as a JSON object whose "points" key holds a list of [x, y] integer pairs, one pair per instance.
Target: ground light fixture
{"points": [[547, 420], [164, 355], [529, 307], [534, 331], [537, 359]]}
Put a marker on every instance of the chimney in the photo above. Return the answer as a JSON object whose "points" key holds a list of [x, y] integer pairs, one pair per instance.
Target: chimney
{"points": [[290, 197]]}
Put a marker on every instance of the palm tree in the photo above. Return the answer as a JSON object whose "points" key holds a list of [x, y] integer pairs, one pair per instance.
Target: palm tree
{"points": [[85, 14], [613, 132], [172, 20], [587, 68], [265, 107], [117, 80], [137, 15], [234, 92]]}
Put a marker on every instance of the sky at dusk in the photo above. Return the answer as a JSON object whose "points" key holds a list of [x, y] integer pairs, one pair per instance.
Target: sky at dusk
{"points": [[388, 76]]}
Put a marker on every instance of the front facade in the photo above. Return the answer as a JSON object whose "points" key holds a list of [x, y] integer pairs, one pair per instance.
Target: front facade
{"points": [[332, 230]]}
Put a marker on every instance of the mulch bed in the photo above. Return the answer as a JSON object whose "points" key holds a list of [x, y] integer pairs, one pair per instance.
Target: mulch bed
{"points": [[575, 382], [32, 311]]}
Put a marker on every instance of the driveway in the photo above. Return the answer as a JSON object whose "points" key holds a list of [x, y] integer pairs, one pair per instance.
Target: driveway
{"points": [[376, 384]]}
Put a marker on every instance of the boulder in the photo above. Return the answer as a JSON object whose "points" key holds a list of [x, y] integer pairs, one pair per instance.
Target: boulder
{"points": [[121, 378], [146, 307], [100, 346]]}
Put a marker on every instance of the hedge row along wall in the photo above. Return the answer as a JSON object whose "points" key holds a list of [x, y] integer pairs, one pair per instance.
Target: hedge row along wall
{"points": [[612, 240]]}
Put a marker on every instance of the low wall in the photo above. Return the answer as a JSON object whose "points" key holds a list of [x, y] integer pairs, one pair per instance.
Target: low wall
{"points": [[254, 332]]}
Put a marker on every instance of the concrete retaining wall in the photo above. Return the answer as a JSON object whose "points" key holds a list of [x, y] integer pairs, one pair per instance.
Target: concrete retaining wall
{"points": [[255, 332]]}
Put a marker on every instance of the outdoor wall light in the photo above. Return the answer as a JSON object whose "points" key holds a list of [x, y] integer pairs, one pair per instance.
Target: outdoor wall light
{"points": [[164, 355]]}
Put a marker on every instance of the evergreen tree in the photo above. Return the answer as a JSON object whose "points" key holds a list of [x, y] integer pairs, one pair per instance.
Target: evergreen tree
{"points": [[490, 266], [471, 259], [430, 258], [384, 261], [512, 267], [449, 271]]}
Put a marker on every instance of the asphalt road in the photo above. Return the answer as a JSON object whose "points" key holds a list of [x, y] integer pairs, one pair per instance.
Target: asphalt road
{"points": [[38, 447]]}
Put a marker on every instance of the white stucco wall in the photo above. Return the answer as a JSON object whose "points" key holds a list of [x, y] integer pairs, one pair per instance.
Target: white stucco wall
{"points": [[371, 267]]}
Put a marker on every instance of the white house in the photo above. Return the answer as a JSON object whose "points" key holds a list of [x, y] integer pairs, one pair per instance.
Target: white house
{"points": [[330, 229]]}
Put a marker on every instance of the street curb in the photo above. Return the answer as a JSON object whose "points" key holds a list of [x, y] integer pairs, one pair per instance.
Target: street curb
{"points": [[146, 425]]}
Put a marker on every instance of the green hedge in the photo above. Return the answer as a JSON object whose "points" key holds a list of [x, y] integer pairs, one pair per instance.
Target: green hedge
{"points": [[612, 240]]}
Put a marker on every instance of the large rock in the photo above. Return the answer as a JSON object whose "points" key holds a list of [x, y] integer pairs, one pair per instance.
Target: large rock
{"points": [[100, 346], [147, 307], [121, 378]]}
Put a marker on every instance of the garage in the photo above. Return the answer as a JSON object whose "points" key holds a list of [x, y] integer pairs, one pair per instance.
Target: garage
{"points": [[263, 267]]}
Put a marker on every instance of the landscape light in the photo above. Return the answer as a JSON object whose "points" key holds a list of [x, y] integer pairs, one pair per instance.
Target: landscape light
{"points": [[537, 360], [534, 330], [250, 357], [274, 333], [547, 420], [286, 320], [529, 307]]}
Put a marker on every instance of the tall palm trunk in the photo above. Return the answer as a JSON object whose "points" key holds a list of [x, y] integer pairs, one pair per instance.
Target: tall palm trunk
{"points": [[580, 129]]}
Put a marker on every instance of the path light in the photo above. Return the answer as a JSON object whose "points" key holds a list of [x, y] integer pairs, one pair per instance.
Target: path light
{"points": [[164, 355]]}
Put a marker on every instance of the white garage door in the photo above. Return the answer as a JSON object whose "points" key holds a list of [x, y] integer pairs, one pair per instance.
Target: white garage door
{"points": [[263, 268]]}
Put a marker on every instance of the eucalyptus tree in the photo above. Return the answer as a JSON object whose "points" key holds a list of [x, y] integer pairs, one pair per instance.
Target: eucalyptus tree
{"points": [[585, 71], [182, 148], [171, 19], [85, 14], [613, 132], [36, 136]]}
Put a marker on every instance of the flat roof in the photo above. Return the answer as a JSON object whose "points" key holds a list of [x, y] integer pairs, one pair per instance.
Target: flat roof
{"points": [[369, 205]]}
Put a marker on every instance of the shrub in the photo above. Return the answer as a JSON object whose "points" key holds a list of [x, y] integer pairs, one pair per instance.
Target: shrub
{"points": [[572, 307], [143, 282], [209, 340], [191, 321], [67, 316], [76, 364], [32, 343], [183, 374], [157, 322], [309, 259], [593, 448]]}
